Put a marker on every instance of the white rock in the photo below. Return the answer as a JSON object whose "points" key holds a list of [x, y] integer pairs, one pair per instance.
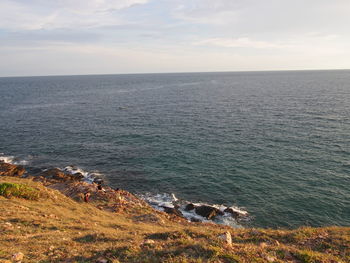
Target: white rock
{"points": [[148, 241], [102, 260], [227, 237], [18, 257]]}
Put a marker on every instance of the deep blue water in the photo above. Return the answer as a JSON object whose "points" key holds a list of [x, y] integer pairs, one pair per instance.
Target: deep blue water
{"points": [[275, 143]]}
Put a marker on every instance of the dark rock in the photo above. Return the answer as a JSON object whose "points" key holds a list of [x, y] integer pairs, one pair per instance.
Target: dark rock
{"points": [[208, 212], [190, 207], [234, 213], [33, 170], [79, 176], [173, 211], [193, 219], [55, 175], [98, 181], [7, 169]]}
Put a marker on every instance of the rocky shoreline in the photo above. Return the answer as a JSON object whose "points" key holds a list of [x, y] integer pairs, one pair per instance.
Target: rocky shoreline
{"points": [[74, 185], [56, 216]]}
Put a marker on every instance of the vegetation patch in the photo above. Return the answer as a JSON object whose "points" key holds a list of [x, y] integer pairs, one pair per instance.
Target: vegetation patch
{"points": [[9, 190]]}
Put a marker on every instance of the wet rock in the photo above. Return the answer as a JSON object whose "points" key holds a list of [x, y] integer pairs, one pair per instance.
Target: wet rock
{"points": [[78, 175], [17, 257], [189, 207], [98, 180], [195, 220], [55, 175], [234, 213], [208, 212], [7, 169], [172, 211]]}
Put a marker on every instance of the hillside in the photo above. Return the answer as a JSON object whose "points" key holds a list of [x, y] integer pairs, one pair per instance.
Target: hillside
{"points": [[45, 225]]}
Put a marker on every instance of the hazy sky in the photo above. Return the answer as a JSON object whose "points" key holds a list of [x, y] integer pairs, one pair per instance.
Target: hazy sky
{"points": [[44, 37]]}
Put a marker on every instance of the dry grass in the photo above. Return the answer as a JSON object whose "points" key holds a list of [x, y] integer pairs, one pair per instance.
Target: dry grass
{"points": [[56, 228]]}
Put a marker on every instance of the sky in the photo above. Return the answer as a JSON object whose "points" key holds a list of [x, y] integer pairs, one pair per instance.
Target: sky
{"points": [[68, 37]]}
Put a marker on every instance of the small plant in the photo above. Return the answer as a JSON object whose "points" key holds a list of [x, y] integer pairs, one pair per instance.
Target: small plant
{"points": [[18, 190]]}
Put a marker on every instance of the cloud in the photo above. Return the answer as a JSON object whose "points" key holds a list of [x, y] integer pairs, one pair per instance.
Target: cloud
{"points": [[242, 42], [109, 36], [37, 14], [312, 44]]}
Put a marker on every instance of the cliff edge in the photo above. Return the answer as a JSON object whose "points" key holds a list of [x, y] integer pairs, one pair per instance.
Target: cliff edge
{"points": [[54, 217]]}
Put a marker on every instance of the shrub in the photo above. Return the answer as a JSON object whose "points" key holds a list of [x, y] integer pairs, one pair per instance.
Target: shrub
{"points": [[19, 190]]}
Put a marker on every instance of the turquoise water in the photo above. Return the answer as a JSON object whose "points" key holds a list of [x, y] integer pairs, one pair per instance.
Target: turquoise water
{"points": [[275, 143]]}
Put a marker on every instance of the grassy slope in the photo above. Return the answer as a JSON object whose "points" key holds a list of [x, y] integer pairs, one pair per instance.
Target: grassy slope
{"points": [[58, 229]]}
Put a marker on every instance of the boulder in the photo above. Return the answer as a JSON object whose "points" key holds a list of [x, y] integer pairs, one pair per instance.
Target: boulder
{"points": [[55, 175], [234, 213], [207, 211], [173, 211], [195, 220], [7, 169], [190, 207]]}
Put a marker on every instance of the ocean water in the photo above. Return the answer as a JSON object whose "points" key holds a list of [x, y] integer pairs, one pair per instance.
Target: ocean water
{"points": [[276, 144]]}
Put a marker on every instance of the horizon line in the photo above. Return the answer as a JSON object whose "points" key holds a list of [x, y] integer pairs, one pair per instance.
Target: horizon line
{"points": [[185, 72]]}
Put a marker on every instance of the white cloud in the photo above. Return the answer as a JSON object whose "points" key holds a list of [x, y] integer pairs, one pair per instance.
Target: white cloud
{"points": [[41, 37], [37, 14], [242, 42]]}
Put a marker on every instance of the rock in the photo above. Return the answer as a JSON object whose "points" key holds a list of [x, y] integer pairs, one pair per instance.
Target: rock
{"points": [[17, 257], [195, 220], [98, 180], [102, 260], [189, 207], [227, 238], [208, 212], [172, 211], [78, 175], [148, 242], [234, 213], [270, 258], [7, 169], [55, 175]]}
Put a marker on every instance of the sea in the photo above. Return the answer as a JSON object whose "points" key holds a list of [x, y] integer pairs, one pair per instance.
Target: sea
{"points": [[275, 145]]}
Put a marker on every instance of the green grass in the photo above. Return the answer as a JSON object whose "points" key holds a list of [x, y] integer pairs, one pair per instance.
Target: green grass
{"points": [[9, 190]]}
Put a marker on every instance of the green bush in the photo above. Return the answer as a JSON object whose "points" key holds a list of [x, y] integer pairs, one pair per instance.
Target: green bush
{"points": [[18, 190]]}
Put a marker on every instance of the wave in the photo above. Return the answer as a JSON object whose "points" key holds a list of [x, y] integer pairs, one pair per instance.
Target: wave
{"points": [[166, 200], [13, 160], [89, 177]]}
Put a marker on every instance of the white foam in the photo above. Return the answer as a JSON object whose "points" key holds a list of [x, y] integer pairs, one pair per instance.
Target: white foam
{"points": [[159, 201], [12, 160], [88, 176], [6, 159]]}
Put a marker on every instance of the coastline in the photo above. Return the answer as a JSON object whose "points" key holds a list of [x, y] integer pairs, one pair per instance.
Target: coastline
{"points": [[73, 181], [53, 222]]}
